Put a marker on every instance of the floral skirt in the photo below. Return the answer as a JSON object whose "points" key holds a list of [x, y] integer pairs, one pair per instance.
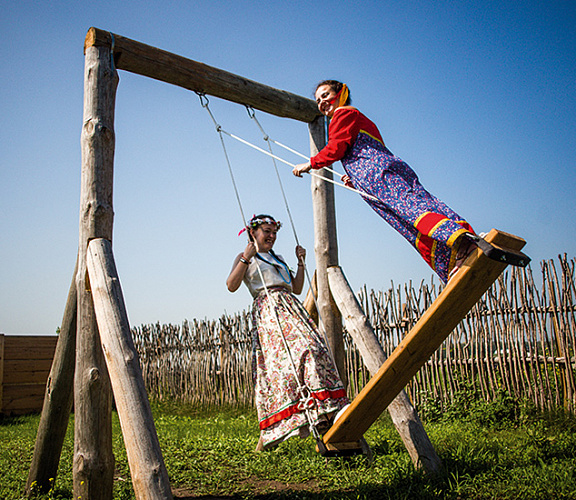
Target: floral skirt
{"points": [[291, 359], [430, 225]]}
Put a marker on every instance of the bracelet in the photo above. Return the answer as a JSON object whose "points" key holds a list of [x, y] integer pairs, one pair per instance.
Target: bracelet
{"points": [[300, 264], [244, 261]]}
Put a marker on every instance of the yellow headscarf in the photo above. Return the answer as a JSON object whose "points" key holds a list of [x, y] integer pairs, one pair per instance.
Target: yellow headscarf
{"points": [[343, 95]]}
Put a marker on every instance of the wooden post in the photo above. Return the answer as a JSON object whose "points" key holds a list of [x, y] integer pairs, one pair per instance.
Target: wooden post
{"points": [[149, 475], [93, 457], [403, 414], [309, 302], [57, 402], [326, 249], [1, 372], [450, 307]]}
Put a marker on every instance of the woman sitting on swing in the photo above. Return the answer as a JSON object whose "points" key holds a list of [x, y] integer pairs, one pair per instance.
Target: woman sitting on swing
{"points": [[296, 382]]}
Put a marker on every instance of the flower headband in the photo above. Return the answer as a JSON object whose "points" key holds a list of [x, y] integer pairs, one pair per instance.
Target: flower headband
{"points": [[257, 221]]}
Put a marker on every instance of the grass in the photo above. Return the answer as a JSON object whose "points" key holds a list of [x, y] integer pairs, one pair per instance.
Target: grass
{"points": [[209, 454]]}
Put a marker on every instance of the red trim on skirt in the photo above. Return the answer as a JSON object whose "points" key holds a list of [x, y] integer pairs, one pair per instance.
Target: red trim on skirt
{"points": [[292, 409]]}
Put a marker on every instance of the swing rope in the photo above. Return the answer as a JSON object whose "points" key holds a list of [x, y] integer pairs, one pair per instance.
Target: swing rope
{"points": [[204, 102], [306, 403], [303, 156], [268, 139], [286, 162]]}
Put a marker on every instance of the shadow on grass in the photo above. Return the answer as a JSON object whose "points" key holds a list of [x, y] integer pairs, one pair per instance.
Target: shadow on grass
{"points": [[405, 486], [408, 491]]}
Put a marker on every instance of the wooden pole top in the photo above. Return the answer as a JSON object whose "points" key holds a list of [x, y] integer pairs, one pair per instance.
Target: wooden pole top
{"points": [[152, 62]]}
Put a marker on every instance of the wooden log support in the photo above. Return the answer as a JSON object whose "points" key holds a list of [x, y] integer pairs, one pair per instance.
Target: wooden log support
{"points": [[450, 307], [57, 402], [93, 458], [1, 370], [326, 250], [309, 302], [149, 475], [155, 63], [403, 414]]}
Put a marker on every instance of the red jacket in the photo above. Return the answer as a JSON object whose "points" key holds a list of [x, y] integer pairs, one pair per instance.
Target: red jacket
{"points": [[346, 124]]}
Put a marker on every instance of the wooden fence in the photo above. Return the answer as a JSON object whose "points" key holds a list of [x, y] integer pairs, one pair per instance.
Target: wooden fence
{"points": [[519, 338], [204, 362], [25, 362]]}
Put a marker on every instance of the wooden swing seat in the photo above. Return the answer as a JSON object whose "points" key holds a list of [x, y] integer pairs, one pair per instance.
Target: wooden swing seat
{"points": [[459, 296]]}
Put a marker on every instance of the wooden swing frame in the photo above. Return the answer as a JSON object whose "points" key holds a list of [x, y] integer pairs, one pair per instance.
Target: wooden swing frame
{"points": [[95, 357]]}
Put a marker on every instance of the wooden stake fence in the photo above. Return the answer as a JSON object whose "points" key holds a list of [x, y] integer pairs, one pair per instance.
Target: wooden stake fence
{"points": [[519, 338]]}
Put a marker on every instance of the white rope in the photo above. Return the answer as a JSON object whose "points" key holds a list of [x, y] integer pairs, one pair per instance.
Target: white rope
{"points": [[312, 173], [306, 402], [321, 325], [293, 151]]}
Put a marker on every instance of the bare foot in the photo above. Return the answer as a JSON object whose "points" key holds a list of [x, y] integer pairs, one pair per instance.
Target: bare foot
{"points": [[260, 445]]}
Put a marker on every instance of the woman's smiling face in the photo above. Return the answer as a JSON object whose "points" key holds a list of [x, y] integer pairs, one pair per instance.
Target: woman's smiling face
{"points": [[265, 237], [326, 100]]}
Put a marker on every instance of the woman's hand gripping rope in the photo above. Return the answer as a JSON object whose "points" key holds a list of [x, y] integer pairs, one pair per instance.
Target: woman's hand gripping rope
{"points": [[300, 254], [347, 181], [301, 168]]}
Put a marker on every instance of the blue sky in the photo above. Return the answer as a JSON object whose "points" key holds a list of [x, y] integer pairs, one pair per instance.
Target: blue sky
{"points": [[478, 97]]}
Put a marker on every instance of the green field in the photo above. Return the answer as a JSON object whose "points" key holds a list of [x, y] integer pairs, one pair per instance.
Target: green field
{"points": [[490, 451]]}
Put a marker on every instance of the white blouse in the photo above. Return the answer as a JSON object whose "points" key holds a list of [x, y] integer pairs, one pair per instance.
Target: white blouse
{"points": [[274, 272]]}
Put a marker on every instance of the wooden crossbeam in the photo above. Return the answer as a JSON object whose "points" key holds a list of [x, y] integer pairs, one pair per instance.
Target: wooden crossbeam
{"points": [[450, 307], [142, 59]]}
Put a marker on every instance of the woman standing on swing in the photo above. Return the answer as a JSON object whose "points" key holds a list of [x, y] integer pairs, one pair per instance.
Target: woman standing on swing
{"points": [[292, 367], [434, 229]]}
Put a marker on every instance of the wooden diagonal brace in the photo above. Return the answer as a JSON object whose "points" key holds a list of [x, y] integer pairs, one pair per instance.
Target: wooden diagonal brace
{"points": [[450, 307]]}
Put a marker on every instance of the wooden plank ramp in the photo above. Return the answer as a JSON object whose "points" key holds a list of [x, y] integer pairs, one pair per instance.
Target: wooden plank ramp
{"points": [[459, 296]]}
